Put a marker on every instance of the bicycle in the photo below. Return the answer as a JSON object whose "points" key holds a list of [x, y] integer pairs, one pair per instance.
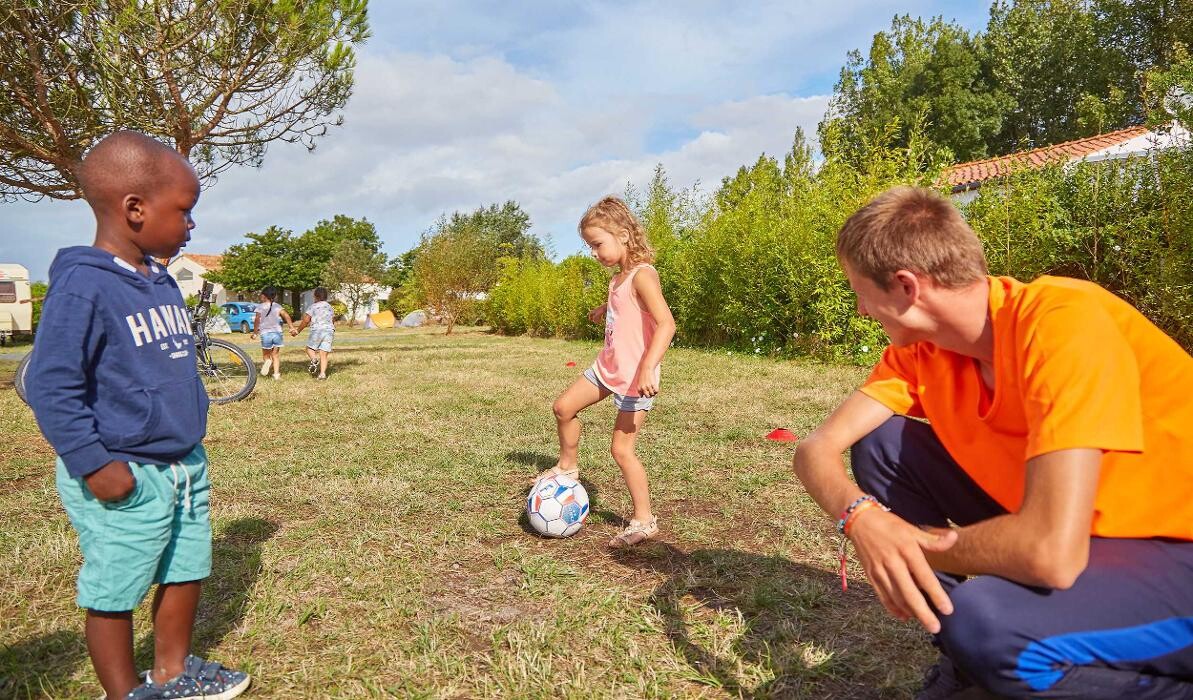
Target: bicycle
{"points": [[227, 371]]}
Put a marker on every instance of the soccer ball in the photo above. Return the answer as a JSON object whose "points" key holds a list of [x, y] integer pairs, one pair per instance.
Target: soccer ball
{"points": [[557, 506]]}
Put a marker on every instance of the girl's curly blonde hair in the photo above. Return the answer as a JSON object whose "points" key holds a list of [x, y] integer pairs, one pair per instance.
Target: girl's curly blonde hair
{"points": [[613, 214]]}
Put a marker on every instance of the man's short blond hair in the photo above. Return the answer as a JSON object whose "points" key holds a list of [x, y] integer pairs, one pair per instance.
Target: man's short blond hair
{"points": [[916, 229]]}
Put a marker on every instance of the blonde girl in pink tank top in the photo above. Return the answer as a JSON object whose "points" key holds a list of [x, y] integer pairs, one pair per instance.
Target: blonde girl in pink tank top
{"points": [[638, 330]]}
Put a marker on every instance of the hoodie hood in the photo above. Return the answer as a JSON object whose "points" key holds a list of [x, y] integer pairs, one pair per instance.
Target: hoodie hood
{"points": [[68, 259]]}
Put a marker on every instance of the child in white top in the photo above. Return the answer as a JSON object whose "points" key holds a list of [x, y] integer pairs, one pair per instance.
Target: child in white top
{"points": [[320, 317]]}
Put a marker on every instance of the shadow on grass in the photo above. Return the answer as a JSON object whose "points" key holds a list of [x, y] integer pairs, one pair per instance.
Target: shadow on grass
{"points": [[39, 666], [235, 565], [36, 667], [538, 461], [293, 366], [797, 622]]}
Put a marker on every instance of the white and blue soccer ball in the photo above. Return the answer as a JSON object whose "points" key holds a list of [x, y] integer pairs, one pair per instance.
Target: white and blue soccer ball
{"points": [[557, 506]]}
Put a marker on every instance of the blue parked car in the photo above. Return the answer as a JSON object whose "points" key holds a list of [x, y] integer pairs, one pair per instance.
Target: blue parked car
{"points": [[241, 315]]}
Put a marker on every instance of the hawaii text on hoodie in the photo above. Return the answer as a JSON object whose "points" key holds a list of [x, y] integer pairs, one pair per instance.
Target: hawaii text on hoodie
{"points": [[113, 371]]}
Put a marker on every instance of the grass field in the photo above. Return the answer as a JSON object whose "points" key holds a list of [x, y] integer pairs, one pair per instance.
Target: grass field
{"points": [[369, 538]]}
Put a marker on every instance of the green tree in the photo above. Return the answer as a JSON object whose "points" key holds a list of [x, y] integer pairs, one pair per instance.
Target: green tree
{"points": [[267, 259], [454, 267], [666, 214], [353, 273], [37, 293], [1065, 80], [507, 227], [1170, 91], [315, 248], [397, 276], [217, 80], [1144, 35], [919, 71], [292, 263]]}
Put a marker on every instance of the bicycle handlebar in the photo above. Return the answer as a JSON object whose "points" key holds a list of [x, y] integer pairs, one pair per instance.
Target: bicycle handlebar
{"points": [[202, 306]]}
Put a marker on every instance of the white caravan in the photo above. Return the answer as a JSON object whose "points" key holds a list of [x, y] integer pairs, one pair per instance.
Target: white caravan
{"points": [[16, 307]]}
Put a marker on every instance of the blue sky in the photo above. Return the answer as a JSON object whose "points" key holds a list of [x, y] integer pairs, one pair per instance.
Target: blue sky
{"points": [[461, 103]]}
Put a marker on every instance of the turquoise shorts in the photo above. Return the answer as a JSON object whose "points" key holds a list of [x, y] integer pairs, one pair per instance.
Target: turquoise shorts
{"points": [[161, 533]]}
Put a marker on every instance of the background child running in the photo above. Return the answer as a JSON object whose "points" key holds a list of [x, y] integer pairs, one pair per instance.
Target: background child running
{"points": [[638, 330], [320, 317], [113, 385], [268, 324]]}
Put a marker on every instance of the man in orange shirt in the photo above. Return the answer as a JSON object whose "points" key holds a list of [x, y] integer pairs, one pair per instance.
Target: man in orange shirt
{"points": [[1054, 469]]}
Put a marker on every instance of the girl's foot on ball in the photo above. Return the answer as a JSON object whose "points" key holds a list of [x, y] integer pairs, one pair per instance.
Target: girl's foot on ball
{"points": [[573, 473]]}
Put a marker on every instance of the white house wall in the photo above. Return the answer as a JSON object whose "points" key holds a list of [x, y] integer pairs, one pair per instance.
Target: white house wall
{"points": [[1175, 136], [195, 283]]}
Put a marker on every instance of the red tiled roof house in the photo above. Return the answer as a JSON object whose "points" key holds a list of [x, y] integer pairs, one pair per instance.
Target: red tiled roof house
{"points": [[190, 271], [966, 179]]}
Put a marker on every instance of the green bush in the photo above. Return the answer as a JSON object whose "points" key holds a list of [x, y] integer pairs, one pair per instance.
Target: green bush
{"points": [[538, 297], [401, 301], [37, 291], [339, 310]]}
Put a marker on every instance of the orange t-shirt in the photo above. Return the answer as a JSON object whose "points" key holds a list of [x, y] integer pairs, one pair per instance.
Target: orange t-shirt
{"points": [[1075, 367]]}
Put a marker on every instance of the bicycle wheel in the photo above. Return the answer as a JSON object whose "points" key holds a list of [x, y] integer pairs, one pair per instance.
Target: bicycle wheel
{"points": [[228, 372], [18, 381]]}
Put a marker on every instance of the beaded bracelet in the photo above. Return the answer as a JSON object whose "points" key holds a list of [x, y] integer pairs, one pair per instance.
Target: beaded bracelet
{"points": [[862, 507], [848, 514], [866, 502]]}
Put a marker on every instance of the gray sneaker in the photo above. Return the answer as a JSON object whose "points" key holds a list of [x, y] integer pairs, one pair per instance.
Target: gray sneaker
{"points": [[942, 681], [199, 680]]}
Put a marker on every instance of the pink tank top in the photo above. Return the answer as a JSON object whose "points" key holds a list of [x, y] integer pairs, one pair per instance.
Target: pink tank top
{"points": [[628, 330]]}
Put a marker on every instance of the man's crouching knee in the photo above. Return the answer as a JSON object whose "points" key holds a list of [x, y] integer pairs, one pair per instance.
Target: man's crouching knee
{"points": [[981, 639]]}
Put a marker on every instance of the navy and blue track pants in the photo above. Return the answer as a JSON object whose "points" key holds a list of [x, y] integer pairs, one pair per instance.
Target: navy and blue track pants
{"points": [[1123, 630]]}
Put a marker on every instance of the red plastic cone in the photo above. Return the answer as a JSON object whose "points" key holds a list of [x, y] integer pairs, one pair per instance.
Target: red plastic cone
{"points": [[781, 435], [571, 364]]}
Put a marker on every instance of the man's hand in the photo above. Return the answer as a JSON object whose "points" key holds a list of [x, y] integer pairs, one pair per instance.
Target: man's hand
{"points": [[892, 553], [253, 335], [596, 314], [112, 482]]}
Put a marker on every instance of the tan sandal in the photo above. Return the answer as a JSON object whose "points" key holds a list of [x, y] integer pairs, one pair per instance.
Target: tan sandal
{"points": [[636, 533], [573, 474]]}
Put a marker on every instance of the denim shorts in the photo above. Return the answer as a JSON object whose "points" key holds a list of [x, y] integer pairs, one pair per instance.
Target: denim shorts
{"points": [[161, 533], [320, 340], [271, 339], [623, 402]]}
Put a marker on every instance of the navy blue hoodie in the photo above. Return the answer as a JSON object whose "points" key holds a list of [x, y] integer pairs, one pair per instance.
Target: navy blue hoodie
{"points": [[113, 370]]}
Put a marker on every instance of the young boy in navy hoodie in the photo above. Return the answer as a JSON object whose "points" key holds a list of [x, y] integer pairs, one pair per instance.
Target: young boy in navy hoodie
{"points": [[114, 388]]}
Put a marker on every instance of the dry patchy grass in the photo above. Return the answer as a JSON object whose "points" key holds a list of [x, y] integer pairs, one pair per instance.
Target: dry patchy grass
{"points": [[369, 540]]}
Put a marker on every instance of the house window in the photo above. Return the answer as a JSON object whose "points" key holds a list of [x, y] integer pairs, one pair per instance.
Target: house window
{"points": [[185, 275], [8, 292]]}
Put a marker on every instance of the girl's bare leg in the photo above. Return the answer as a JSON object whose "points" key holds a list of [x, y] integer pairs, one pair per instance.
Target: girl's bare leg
{"points": [[577, 397], [625, 435]]}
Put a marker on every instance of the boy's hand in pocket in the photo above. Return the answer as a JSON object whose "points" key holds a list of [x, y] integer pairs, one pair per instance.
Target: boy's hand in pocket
{"points": [[112, 482]]}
